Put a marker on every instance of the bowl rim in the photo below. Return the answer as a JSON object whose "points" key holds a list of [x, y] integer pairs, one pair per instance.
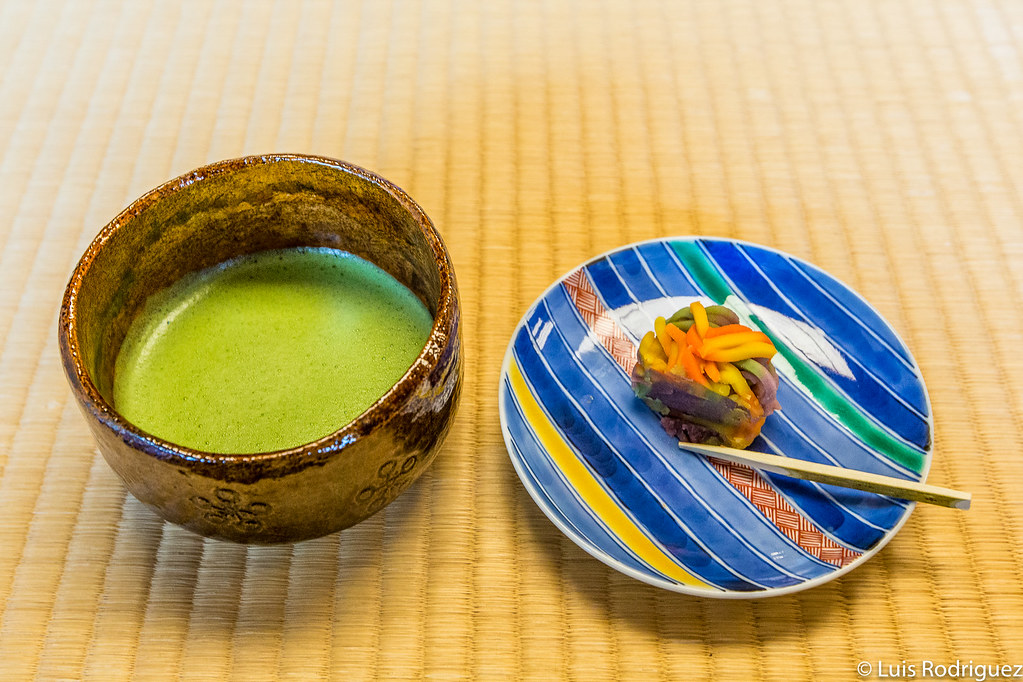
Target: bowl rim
{"points": [[381, 411]]}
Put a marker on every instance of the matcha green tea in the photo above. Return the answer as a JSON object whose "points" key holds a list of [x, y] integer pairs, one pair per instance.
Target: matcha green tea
{"points": [[268, 351]]}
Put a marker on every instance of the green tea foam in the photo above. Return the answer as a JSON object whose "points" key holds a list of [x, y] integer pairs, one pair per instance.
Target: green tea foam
{"points": [[267, 351]]}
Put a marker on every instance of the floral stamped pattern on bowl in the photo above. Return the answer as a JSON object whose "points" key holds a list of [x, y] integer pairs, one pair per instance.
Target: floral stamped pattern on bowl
{"points": [[597, 462], [227, 506]]}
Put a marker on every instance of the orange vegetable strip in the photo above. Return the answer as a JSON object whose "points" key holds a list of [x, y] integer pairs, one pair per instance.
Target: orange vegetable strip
{"points": [[699, 318], [689, 362], [693, 338], [685, 356], [676, 334], [727, 329], [711, 370], [743, 352]]}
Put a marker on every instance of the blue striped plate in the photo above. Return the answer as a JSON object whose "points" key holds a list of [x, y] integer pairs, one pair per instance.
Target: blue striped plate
{"points": [[597, 462]]}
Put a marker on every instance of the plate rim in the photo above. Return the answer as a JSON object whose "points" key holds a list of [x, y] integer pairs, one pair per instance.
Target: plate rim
{"points": [[718, 593]]}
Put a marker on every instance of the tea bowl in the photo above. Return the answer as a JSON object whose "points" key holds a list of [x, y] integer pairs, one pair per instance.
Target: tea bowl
{"points": [[229, 209]]}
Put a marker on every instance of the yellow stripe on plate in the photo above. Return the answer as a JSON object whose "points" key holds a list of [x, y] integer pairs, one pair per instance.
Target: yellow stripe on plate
{"points": [[587, 486]]}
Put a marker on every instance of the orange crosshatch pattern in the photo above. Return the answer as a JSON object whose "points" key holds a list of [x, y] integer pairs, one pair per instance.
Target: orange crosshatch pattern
{"points": [[599, 321], [805, 534]]}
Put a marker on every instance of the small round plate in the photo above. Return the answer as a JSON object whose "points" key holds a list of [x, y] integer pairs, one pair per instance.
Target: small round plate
{"points": [[597, 462]]}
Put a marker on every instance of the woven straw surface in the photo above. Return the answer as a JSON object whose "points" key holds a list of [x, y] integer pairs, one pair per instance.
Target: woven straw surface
{"points": [[878, 139]]}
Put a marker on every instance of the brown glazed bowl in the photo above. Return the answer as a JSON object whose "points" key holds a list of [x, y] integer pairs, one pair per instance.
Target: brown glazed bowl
{"points": [[222, 211]]}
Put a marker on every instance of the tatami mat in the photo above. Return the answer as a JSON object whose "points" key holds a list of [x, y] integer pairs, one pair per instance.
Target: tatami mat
{"points": [[878, 139]]}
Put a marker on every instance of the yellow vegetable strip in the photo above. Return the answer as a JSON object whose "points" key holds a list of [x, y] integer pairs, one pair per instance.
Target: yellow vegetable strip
{"points": [[662, 336], [650, 349], [733, 340], [734, 378], [673, 356], [743, 352], [699, 318], [720, 388]]}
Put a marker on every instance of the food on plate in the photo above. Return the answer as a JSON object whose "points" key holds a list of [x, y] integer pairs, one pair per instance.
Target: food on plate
{"points": [[709, 377]]}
